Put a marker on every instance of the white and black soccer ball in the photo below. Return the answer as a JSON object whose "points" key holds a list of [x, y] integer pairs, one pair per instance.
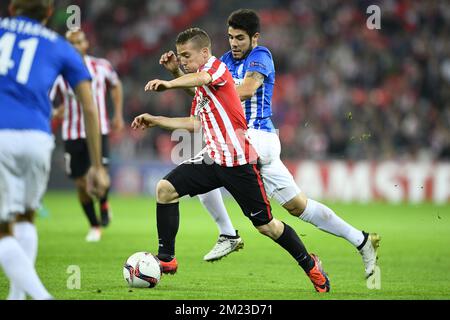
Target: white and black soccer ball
{"points": [[142, 270]]}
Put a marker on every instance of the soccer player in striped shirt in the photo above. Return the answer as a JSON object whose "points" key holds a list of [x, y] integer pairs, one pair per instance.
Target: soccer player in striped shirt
{"points": [[229, 161], [74, 136], [253, 71], [31, 58]]}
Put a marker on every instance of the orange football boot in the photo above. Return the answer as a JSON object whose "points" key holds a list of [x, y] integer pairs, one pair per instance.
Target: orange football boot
{"points": [[169, 267], [317, 276]]}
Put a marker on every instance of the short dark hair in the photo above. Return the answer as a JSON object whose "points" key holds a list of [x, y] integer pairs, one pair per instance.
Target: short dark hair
{"points": [[197, 35], [34, 9], [245, 19]]}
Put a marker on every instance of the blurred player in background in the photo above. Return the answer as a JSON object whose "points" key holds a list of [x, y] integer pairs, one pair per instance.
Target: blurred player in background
{"points": [[76, 153], [228, 160], [31, 58], [253, 72]]}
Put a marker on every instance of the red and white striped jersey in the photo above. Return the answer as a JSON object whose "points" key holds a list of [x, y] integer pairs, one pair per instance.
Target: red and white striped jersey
{"points": [[102, 75], [224, 127]]}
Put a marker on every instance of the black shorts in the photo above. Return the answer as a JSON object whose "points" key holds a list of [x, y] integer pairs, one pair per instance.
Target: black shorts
{"points": [[243, 182], [77, 159]]}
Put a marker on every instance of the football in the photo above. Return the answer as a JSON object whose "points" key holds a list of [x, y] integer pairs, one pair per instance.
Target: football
{"points": [[142, 270]]}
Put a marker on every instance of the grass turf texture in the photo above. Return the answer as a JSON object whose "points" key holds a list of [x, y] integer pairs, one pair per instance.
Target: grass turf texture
{"points": [[414, 253]]}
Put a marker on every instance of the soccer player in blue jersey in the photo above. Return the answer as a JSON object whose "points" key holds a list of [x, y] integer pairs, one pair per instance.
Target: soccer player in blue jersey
{"points": [[31, 57], [253, 71]]}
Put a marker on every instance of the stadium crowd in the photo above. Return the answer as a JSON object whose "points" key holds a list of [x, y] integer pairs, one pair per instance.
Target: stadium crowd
{"points": [[342, 90]]}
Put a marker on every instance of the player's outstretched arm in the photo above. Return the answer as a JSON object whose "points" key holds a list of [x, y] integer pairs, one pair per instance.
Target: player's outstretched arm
{"points": [[90, 113], [98, 179], [190, 80], [252, 81], [170, 61], [117, 99], [145, 121]]}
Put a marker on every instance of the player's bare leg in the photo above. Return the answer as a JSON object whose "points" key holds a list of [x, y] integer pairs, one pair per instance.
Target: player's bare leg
{"points": [[327, 220], [229, 239], [87, 203], [5, 229]]}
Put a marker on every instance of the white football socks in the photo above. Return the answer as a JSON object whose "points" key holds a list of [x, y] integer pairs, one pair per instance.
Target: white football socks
{"points": [[325, 219], [213, 203], [26, 235], [19, 269]]}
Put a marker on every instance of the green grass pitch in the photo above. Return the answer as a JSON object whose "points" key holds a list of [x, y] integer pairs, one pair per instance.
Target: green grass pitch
{"points": [[414, 256]]}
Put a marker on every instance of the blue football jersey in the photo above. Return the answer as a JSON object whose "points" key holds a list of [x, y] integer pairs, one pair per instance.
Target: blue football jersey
{"points": [[258, 109], [31, 57]]}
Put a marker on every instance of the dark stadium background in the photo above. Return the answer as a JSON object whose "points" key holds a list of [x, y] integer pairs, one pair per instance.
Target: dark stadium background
{"points": [[343, 92]]}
